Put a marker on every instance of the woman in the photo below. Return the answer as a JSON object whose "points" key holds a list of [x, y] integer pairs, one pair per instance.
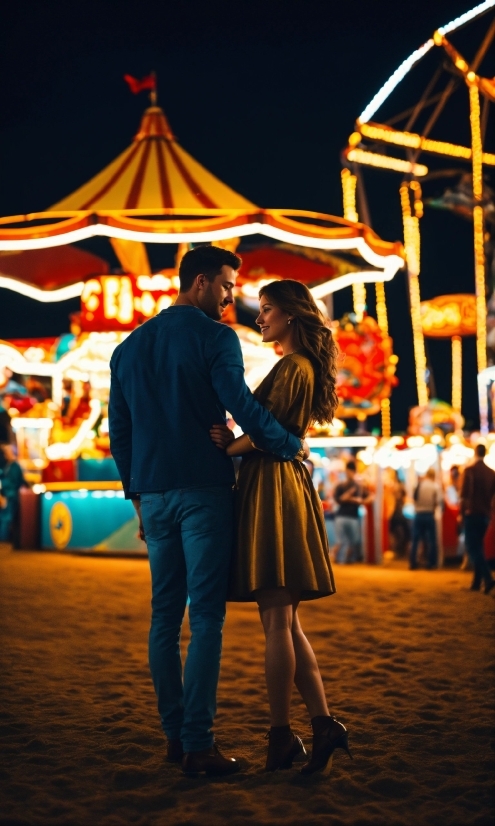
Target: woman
{"points": [[282, 553], [399, 526]]}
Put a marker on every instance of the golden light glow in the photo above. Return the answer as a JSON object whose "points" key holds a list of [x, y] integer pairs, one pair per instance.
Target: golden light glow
{"points": [[449, 315], [359, 299], [381, 307], [411, 140], [386, 421], [456, 373], [349, 182], [69, 450], [479, 252], [412, 246], [385, 162]]}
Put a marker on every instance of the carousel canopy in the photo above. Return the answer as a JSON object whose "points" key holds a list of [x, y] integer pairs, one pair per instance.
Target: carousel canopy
{"points": [[36, 273], [155, 192], [154, 172]]}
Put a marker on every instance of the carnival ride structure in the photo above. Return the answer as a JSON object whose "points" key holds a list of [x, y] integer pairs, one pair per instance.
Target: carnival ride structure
{"points": [[411, 133]]}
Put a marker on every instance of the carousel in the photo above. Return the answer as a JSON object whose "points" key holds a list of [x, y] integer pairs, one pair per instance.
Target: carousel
{"points": [[56, 390]]}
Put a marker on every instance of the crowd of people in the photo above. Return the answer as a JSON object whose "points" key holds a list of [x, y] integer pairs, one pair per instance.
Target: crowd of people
{"points": [[413, 521]]}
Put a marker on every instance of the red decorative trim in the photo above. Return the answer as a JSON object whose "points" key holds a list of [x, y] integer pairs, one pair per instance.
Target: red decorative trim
{"points": [[162, 174], [135, 191], [103, 191], [194, 187]]}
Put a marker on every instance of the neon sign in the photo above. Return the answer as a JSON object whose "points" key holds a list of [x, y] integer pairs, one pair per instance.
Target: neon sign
{"points": [[122, 302]]}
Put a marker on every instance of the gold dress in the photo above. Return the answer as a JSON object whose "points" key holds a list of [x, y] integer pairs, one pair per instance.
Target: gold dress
{"points": [[281, 534]]}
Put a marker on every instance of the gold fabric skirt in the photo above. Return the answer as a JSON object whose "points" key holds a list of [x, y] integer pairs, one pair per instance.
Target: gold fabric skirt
{"points": [[281, 534]]}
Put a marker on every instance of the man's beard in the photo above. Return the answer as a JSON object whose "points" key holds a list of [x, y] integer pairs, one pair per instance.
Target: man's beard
{"points": [[210, 305]]}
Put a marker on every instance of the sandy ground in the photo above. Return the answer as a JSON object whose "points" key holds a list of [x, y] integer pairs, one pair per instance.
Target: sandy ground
{"points": [[408, 659]]}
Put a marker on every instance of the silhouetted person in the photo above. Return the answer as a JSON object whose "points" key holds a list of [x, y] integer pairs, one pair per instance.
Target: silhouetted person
{"points": [[478, 488], [427, 496]]}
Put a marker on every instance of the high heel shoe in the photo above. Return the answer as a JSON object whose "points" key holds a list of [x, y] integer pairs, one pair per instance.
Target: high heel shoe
{"points": [[283, 747], [328, 735]]}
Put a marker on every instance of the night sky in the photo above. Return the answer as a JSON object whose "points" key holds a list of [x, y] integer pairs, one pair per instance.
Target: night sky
{"points": [[262, 94]]}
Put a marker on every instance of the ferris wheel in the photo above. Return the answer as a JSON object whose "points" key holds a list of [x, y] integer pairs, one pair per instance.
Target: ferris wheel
{"points": [[411, 142]]}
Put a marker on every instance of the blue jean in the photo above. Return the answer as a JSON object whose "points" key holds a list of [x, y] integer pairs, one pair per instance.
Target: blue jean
{"points": [[475, 526], [424, 529], [348, 538], [189, 536]]}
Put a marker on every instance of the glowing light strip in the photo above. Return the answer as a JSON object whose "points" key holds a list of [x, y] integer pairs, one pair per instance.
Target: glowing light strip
{"points": [[348, 280], [359, 299], [414, 141], [349, 182], [386, 162], [209, 235], [67, 450], [412, 245], [400, 73], [393, 81], [37, 424], [386, 418], [479, 251], [342, 441], [456, 373], [381, 307], [46, 296], [467, 16]]}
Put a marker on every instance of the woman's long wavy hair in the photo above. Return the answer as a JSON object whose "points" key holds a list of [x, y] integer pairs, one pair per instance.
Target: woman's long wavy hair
{"points": [[313, 338]]}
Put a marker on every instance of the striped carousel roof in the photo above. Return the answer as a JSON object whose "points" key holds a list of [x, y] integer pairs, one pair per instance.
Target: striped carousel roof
{"points": [[154, 172]]}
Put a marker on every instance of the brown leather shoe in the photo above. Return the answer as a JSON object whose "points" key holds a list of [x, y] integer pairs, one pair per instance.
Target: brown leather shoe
{"points": [[209, 761], [175, 752]]}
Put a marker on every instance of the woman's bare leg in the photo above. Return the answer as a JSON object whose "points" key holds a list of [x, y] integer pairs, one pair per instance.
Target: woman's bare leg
{"points": [[276, 612], [307, 676]]}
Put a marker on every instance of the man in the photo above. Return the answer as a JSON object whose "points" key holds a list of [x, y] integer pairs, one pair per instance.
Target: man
{"points": [[426, 497], [172, 380], [349, 495], [478, 489]]}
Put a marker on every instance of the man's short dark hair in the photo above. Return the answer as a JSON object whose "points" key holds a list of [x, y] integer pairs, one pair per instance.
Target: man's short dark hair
{"points": [[480, 451], [351, 465], [206, 261]]}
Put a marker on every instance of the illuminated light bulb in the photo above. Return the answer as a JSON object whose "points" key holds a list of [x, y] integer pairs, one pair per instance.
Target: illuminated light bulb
{"points": [[125, 312], [415, 441], [479, 251], [385, 416], [163, 302], [471, 76], [386, 162], [349, 182], [412, 140], [412, 248], [111, 288], [359, 299], [437, 38], [147, 304], [354, 139], [90, 287], [143, 282], [381, 307], [456, 373], [92, 303]]}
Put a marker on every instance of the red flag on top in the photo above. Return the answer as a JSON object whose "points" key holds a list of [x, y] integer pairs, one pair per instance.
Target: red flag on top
{"points": [[135, 85]]}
